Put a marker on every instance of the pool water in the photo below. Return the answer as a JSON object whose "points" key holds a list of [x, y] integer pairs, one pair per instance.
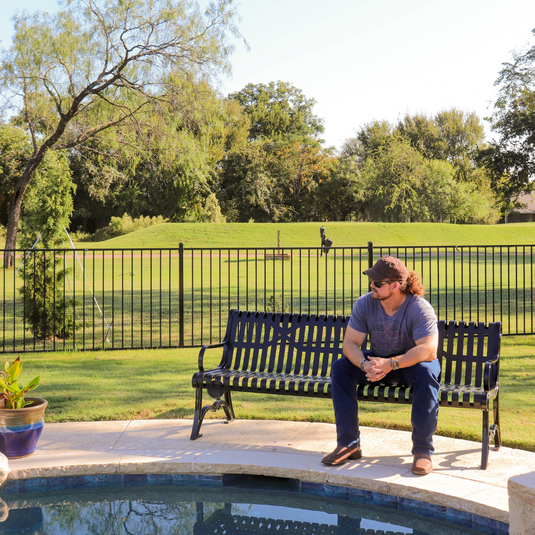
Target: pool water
{"points": [[241, 505]]}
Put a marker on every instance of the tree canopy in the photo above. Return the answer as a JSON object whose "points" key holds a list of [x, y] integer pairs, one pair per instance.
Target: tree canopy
{"points": [[423, 169], [511, 159], [99, 64], [277, 110]]}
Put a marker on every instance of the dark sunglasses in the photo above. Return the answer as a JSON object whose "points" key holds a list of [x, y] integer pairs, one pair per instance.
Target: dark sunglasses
{"points": [[378, 284]]}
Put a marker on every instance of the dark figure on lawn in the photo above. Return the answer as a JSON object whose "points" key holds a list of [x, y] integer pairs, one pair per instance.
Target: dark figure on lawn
{"points": [[403, 335]]}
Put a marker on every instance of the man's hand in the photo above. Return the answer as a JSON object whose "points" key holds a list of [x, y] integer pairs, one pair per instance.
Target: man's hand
{"points": [[377, 368]]}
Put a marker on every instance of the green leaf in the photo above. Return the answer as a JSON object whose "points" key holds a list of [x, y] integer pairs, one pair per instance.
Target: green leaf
{"points": [[15, 369], [33, 383]]}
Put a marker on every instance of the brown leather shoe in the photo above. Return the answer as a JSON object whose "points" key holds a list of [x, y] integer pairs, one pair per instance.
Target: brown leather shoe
{"points": [[341, 455], [422, 464]]}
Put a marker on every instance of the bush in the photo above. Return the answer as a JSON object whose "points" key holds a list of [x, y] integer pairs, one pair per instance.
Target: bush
{"points": [[119, 226], [47, 210], [277, 305], [47, 312]]}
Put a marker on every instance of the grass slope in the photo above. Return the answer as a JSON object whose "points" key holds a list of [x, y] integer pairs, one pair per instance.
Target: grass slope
{"points": [[137, 384], [169, 235]]}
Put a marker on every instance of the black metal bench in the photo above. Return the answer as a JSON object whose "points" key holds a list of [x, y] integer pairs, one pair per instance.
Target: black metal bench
{"points": [[223, 522], [291, 354]]}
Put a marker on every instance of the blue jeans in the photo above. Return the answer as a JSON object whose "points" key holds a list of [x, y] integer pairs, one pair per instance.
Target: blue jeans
{"points": [[423, 378]]}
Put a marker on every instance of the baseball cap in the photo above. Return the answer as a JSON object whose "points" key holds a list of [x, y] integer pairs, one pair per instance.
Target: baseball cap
{"points": [[388, 268]]}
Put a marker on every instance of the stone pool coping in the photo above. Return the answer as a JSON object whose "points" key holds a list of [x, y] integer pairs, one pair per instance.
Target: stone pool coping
{"points": [[281, 449]]}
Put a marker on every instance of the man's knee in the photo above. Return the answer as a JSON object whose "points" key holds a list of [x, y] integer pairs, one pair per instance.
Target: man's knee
{"points": [[339, 367], [426, 373]]}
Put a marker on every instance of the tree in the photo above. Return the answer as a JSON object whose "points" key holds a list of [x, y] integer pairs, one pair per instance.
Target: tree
{"points": [[15, 149], [277, 110], [339, 196], [457, 202], [394, 180], [211, 212], [269, 179], [511, 160], [451, 135], [47, 211], [248, 184], [368, 140], [98, 64]]}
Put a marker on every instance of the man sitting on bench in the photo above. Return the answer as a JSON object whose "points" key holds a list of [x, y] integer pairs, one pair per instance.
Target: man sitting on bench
{"points": [[402, 330]]}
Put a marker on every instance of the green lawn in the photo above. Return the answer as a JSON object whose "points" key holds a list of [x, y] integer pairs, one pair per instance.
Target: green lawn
{"points": [[308, 235], [92, 386], [138, 293], [344, 234]]}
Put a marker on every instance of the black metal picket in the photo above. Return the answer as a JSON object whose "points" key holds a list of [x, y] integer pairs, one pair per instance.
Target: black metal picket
{"points": [[180, 297]]}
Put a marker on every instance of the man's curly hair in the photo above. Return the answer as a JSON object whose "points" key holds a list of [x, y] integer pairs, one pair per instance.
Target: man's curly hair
{"points": [[413, 285]]}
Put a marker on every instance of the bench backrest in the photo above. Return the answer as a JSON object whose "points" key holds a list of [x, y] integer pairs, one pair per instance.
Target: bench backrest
{"points": [[308, 345], [468, 346], [283, 343]]}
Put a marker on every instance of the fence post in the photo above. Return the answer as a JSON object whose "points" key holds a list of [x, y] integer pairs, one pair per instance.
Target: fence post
{"points": [[181, 294], [370, 254]]}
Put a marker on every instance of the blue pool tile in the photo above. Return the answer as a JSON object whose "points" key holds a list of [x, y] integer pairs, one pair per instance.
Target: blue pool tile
{"points": [[37, 484], [185, 479], [109, 480], [485, 525], [135, 480], [312, 489], [57, 483], [335, 491], [361, 496], [160, 479], [84, 482], [11, 486], [432, 510], [210, 481], [503, 528], [410, 505], [385, 500], [460, 518]]}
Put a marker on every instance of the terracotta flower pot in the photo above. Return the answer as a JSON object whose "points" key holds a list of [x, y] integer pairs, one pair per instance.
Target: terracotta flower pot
{"points": [[21, 428]]}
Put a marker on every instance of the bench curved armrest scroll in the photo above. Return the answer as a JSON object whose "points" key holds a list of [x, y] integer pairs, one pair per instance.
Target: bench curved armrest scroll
{"points": [[202, 351], [490, 374]]}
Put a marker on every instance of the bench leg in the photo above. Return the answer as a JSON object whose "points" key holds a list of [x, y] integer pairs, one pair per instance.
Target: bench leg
{"points": [[485, 441], [197, 418], [200, 411], [229, 409], [495, 428], [491, 433]]}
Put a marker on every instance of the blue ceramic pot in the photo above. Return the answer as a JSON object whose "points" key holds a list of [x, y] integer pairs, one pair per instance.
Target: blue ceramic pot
{"points": [[20, 429]]}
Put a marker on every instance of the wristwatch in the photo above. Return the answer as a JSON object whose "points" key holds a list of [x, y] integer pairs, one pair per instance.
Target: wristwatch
{"points": [[362, 363], [394, 362]]}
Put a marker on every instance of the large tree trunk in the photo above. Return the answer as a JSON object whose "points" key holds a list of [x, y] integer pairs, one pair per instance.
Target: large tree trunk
{"points": [[22, 185], [15, 206]]}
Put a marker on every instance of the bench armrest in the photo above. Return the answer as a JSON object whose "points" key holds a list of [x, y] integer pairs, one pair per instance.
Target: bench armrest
{"points": [[203, 349], [490, 374]]}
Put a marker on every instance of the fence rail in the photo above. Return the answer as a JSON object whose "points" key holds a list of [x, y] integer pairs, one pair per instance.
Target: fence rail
{"points": [[180, 297]]}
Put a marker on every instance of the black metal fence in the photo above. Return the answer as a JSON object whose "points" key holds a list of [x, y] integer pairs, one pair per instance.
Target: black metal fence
{"points": [[180, 297]]}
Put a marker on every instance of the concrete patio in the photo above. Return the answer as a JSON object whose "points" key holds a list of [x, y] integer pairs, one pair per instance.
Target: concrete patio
{"points": [[285, 449]]}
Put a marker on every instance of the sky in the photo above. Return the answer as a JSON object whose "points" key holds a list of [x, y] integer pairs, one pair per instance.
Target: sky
{"points": [[365, 60]]}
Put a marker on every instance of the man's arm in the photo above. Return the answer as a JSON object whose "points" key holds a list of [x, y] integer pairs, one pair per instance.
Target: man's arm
{"points": [[424, 351], [353, 340]]}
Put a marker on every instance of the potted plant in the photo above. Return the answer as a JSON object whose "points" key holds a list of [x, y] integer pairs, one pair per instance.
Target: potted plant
{"points": [[21, 417]]}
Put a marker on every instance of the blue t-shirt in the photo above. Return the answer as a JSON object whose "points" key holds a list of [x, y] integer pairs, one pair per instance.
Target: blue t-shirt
{"points": [[394, 335]]}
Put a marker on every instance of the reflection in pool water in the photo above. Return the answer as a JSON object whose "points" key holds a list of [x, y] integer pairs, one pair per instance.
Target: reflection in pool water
{"points": [[245, 506]]}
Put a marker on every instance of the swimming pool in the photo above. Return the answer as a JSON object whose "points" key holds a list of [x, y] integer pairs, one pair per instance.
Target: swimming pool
{"points": [[188, 504]]}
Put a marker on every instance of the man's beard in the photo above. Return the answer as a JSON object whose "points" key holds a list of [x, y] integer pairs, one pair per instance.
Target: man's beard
{"points": [[376, 297]]}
